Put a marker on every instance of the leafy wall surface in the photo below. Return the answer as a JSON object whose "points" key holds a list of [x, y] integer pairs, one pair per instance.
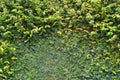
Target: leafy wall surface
{"points": [[25, 20]]}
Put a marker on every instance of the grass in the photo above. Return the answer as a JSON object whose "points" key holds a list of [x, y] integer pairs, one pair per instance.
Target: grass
{"points": [[69, 58]]}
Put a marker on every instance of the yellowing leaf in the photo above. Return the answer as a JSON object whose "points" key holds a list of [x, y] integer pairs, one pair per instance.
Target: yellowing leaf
{"points": [[113, 72], [14, 58], [59, 33], [3, 76], [1, 49], [1, 71]]}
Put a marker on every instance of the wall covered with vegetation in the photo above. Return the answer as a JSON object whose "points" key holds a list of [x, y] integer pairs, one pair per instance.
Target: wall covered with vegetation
{"points": [[27, 20]]}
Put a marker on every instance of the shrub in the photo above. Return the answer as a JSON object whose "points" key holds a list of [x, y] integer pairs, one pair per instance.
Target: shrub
{"points": [[6, 58], [24, 19], [27, 19]]}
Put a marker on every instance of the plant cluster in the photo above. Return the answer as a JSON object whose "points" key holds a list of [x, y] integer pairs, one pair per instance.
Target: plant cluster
{"points": [[6, 59], [26, 20]]}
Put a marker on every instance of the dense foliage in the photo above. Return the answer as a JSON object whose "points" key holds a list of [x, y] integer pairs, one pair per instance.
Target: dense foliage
{"points": [[20, 19], [6, 58], [93, 20]]}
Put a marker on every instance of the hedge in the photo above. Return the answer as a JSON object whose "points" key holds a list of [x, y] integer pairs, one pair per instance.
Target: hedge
{"points": [[27, 19]]}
